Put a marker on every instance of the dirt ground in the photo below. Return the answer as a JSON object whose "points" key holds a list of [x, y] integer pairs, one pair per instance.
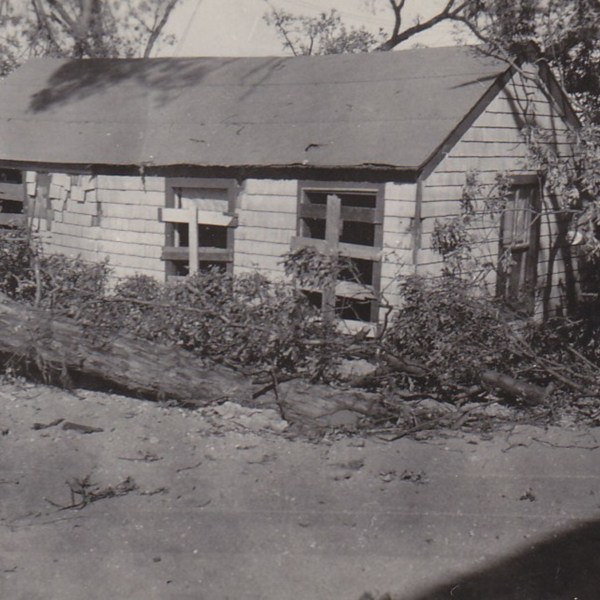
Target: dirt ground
{"points": [[154, 502]]}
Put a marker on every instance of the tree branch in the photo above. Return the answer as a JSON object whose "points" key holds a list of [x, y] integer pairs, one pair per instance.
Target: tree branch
{"points": [[43, 23], [157, 30], [448, 13]]}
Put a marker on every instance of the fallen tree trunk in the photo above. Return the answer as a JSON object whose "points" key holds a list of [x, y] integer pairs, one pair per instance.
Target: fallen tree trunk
{"points": [[532, 394], [58, 348]]}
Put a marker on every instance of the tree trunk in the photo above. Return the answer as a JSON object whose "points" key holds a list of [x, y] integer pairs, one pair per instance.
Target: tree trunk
{"points": [[57, 348]]}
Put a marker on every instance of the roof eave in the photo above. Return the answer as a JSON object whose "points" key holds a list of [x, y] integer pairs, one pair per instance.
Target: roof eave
{"points": [[363, 172], [436, 157], [554, 89]]}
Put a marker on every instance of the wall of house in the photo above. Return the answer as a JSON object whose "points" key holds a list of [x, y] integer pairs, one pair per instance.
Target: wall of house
{"points": [[398, 236], [103, 216], [266, 224], [118, 217], [492, 145]]}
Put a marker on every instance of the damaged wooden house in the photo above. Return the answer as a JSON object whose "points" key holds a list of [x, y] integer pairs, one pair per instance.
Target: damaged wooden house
{"points": [[167, 166]]}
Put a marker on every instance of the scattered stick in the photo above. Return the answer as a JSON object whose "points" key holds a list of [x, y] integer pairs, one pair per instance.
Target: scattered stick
{"points": [[278, 400], [570, 446], [89, 492], [38, 426], [199, 463], [160, 490], [67, 425], [148, 457]]}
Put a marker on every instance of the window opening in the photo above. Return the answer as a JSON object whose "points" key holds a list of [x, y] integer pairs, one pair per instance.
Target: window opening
{"points": [[200, 223], [345, 221], [12, 197], [519, 247]]}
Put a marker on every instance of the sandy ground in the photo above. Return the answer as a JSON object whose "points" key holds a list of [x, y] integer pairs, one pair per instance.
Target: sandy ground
{"points": [[200, 505]]}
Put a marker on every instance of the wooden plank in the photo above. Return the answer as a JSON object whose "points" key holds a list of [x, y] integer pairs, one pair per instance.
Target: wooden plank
{"points": [[349, 250], [348, 213], [205, 254], [333, 226], [358, 251], [203, 217], [313, 211], [11, 191], [356, 291], [12, 219], [193, 241]]}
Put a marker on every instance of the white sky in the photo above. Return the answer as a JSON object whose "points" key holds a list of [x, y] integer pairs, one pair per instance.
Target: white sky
{"points": [[236, 27]]}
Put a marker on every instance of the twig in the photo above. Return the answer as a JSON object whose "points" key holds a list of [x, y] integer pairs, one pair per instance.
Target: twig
{"points": [[47, 425], [278, 400], [583, 358], [270, 386], [573, 446], [146, 458], [189, 468], [89, 492]]}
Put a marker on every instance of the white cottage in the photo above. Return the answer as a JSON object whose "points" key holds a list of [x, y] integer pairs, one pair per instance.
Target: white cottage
{"points": [[168, 165]]}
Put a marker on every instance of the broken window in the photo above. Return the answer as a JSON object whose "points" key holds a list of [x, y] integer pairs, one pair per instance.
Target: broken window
{"points": [[12, 197], [345, 220], [200, 218], [519, 247]]}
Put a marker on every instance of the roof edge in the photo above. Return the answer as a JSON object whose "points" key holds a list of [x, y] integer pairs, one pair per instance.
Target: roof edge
{"points": [[553, 89], [436, 157], [369, 173]]}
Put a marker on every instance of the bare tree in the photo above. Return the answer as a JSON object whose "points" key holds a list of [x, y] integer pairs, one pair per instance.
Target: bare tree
{"points": [[324, 34], [567, 33], [327, 33], [81, 28]]}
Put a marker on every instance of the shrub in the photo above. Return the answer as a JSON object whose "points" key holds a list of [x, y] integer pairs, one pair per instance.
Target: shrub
{"points": [[452, 330], [17, 279]]}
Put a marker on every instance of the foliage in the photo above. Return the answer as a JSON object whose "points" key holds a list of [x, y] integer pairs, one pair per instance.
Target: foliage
{"points": [[459, 335], [452, 330], [324, 34], [16, 260], [572, 180], [449, 330], [461, 240], [567, 33], [328, 34], [245, 321], [51, 282], [310, 269], [81, 28]]}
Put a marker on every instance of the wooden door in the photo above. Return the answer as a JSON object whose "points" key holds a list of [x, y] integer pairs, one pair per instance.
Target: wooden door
{"points": [[519, 248]]}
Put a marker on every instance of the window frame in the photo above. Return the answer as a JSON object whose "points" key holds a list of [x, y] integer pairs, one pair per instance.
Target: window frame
{"points": [[13, 192], [172, 253], [373, 216], [517, 287]]}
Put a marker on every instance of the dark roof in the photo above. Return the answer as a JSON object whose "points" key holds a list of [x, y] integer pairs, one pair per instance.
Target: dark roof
{"points": [[390, 109]]}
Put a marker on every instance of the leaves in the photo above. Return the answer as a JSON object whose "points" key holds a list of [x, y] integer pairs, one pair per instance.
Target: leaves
{"points": [[324, 34], [81, 29]]}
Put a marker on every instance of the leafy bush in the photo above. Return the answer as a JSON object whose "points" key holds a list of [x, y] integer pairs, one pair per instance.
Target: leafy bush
{"points": [[17, 279], [71, 284], [446, 327], [243, 321], [450, 329], [54, 281]]}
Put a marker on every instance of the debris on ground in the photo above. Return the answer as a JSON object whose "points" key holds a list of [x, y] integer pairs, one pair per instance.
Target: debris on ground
{"points": [[79, 428], [253, 419], [84, 492]]}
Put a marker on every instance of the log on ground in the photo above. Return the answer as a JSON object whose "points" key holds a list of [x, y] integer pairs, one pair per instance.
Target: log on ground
{"points": [[55, 345]]}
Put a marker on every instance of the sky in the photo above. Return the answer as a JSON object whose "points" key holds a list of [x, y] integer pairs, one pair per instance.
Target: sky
{"points": [[236, 27]]}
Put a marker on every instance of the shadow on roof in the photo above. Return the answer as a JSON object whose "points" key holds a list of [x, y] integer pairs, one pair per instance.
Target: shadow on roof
{"points": [[165, 78]]}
